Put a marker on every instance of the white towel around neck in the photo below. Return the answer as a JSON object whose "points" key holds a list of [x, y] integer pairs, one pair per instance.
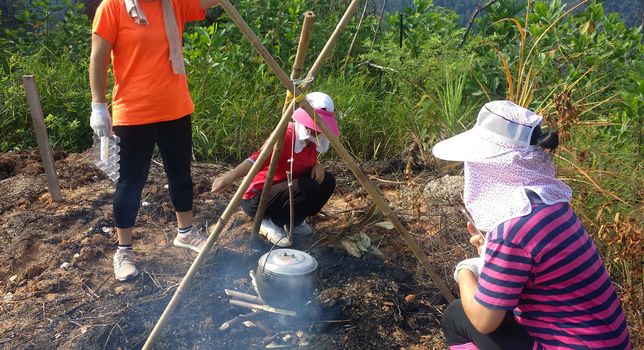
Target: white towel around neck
{"points": [[135, 11]]}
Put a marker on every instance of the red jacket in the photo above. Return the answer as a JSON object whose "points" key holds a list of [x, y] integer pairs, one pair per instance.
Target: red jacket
{"points": [[303, 162]]}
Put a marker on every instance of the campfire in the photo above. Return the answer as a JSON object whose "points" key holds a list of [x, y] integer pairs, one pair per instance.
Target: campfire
{"points": [[286, 279]]}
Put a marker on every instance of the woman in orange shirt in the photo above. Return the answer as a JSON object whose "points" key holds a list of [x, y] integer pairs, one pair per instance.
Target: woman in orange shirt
{"points": [[151, 105]]}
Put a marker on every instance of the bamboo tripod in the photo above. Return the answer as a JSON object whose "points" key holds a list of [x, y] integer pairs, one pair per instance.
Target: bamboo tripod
{"points": [[270, 143]]}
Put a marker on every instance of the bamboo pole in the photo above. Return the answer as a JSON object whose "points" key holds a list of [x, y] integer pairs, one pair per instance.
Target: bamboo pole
{"points": [[298, 66], [41, 136], [337, 145], [216, 231], [302, 49], [328, 48]]}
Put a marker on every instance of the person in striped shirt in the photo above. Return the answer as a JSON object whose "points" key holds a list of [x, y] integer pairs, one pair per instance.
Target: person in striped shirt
{"points": [[539, 282]]}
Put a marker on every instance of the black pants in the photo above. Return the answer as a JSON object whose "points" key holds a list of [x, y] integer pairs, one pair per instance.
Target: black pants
{"points": [[308, 199], [174, 139], [459, 330]]}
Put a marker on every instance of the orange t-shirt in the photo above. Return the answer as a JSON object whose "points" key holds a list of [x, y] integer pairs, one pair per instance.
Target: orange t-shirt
{"points": [[146, 90]]}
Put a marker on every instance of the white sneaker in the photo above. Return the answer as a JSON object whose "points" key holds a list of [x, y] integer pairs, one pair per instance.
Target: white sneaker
{"points": [[274, 233], [123, 262], [303, 229], [194, 240]]}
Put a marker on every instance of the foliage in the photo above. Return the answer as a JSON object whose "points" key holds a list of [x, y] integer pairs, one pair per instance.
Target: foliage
{"points": [[628, 10], [51, 44]]}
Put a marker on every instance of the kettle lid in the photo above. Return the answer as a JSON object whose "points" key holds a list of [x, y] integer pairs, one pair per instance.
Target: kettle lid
{"points": [[290, 262]]}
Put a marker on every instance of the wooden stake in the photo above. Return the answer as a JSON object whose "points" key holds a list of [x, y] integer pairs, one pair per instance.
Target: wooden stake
{"points": [[41, 135]]}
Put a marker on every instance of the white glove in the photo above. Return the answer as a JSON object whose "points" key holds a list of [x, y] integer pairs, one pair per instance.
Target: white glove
{"points": [[100, 120], [473, 264]]}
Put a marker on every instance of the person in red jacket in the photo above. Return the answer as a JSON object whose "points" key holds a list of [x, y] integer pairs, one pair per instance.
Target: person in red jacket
{"points": [[312, 184]]}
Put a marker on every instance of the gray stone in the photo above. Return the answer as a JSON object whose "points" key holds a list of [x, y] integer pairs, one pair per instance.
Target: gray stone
{"points": [[446, 190]]}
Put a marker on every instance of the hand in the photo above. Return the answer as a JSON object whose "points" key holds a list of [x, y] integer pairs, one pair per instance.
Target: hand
{"points": [[317, 173], [100, 119], [476, 239], [473, 264], [222, 183]]}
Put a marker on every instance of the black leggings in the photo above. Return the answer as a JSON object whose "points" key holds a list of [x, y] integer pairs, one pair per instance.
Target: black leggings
{"points": [[174, 139], [459, 330], [308, 199]]}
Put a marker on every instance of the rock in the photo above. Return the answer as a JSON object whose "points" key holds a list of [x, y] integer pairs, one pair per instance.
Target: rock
{"points": [[119, 289], [64, 265], [374, 251], [145, 204], [86, 254], [410, 297], [446, 190], [206, 325], [100, 241], [8, 297], [13, 278]]}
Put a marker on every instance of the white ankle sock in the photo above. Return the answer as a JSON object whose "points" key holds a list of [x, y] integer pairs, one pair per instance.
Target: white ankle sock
{"points": [[184, 230]]}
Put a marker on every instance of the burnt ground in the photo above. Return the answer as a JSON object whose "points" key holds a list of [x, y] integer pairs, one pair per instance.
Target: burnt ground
{"points": [[382, 300]]}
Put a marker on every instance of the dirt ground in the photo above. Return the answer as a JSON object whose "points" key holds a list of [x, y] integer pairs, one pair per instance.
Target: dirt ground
{"points": [[382, 300]]}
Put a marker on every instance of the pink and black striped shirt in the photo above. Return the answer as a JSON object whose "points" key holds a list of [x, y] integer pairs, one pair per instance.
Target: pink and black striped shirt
{"points": [[545, 267]]}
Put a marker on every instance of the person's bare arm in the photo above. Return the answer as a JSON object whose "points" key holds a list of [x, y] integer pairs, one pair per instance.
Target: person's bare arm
{"points": [[483, 319], [226, 180], [206, 4], [98, 62]]}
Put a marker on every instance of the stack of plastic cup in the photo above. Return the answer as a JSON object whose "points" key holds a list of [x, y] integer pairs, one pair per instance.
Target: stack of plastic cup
{"points": [[106, 155]]}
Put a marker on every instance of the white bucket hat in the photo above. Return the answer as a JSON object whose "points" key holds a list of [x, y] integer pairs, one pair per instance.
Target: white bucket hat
{"points": [[501, 127], [502, 162]]}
